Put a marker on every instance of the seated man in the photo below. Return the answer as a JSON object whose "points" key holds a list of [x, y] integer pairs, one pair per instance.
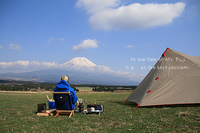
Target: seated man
{"points": [[64, 86]]}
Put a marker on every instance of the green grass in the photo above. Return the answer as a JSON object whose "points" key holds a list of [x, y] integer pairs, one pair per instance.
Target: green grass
{"points": [[18, 114]]}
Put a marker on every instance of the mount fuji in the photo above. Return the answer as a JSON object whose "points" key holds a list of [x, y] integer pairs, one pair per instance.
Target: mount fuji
{"points": [[80, 70], [79, 62]]}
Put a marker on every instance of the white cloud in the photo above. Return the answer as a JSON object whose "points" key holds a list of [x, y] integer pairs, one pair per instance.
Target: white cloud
{"points": [[110, 15], [14, 64], [44, 64], [28, 64], [93, 6], [1, 47], [14, 46], [50, 40], [129, 46], [53, 39], [85, 44], [61, 39], [128, 75], [49, 64]]}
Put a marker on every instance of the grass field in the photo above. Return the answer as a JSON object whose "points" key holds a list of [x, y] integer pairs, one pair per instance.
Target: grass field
{"points": [[18, 114]]}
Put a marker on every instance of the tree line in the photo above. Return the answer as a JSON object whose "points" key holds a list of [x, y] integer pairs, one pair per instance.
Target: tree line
{"points": [[8, 85], [113, 88]]}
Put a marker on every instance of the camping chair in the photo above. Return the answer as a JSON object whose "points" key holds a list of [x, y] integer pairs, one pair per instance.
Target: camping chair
{"points": [[63, 103]]}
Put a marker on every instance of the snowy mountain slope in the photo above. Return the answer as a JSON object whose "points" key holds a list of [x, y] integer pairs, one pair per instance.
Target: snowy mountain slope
{"points": [[79, 62]]}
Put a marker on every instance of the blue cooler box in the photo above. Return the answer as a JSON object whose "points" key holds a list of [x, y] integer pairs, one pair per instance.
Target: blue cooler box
{"points": [[51, 105]]}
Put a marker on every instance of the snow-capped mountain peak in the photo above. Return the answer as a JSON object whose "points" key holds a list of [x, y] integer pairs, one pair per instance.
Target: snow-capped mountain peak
{"points": [[79, 62]]}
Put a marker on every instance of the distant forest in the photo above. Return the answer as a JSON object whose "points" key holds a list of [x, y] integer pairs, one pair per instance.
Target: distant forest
{"points": [[12, 85]]}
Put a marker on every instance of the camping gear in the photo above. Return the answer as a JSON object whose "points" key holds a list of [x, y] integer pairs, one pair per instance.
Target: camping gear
{"points": [[47, 112], [63, 102], [41, 107], [51, 103], [94, 108], [175, 79], [80, 105], [42, 114]]}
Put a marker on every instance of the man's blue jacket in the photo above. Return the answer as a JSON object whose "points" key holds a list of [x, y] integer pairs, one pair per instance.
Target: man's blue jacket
{"points": [[64, 86]]}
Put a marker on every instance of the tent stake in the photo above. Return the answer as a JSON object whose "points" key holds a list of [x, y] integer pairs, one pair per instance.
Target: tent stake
{"points": [[135, 107]]}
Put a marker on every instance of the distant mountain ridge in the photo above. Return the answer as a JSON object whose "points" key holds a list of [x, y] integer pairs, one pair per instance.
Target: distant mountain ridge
{"points": [[80, 70]]}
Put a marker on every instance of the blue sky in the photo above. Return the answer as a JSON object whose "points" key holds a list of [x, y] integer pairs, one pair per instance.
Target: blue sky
{"points": [[38, 34]]}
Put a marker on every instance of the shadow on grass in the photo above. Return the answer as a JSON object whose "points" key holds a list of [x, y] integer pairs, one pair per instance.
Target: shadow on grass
{"points": [[172, 106], [128, 104], [133, 105]]}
